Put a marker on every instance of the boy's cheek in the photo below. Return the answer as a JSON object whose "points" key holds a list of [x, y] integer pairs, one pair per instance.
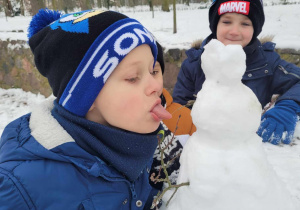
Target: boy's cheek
{"points": [[130, 103]]}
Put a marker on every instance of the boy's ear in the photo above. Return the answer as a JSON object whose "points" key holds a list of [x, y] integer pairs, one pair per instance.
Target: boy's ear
{"points": [[90, 114], [92, 107]]}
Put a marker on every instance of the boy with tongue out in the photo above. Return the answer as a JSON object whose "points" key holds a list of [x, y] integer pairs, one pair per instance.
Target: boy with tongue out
{"points": [[92, 146]]}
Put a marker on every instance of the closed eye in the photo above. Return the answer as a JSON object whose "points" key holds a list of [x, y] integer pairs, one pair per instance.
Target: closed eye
{"points": [[154, 72], [226, 22], [132, 80], [246, 24]]}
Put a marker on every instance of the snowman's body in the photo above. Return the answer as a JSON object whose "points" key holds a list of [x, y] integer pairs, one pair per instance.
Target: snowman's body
{"points": [[224, 160]]}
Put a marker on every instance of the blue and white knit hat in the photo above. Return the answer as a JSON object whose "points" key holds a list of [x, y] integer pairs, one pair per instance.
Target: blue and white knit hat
{"points": [[77, 52]]}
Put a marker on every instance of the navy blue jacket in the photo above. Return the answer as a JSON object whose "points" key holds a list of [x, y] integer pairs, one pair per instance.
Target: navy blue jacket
{"points": [[41, 167], [266, 74]]}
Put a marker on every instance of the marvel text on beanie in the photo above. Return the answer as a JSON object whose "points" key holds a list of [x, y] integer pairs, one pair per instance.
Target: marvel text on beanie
{"points": [[77, 52]]}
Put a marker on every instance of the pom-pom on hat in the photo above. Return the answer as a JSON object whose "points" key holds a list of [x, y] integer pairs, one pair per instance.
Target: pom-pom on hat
{"points": [[77, 52], [253, 9]]}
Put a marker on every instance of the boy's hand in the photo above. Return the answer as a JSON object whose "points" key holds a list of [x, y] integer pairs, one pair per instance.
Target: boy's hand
{"points": [[279, 120]]}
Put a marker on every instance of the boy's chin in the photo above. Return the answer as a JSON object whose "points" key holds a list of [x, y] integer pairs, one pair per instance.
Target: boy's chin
{"points": [[148, 129], [140, 128]]}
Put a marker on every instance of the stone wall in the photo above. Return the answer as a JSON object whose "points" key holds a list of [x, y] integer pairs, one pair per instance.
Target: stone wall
{"points": [[17, 69]]}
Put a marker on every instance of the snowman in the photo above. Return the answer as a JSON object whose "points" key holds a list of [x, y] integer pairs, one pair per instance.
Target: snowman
{"points": [[224, 161]]}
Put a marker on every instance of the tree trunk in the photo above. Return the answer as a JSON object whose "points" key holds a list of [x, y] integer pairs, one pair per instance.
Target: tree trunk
{"points": [[174, 17], [107, 1], [151, 7], [22, 7], [54, 5], [85, 4], [152, 13], [99, 3], [165, 6], [8, 8], [187, 2]]}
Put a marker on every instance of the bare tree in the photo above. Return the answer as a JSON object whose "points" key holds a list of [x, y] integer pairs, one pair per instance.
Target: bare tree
{"points": [[174, 18], [8, 8], [22, 7], [85, 4], [68, 5], [36, 5], [99, 3], [108, 3], [54, 5], [151, 7], [165, 6]]}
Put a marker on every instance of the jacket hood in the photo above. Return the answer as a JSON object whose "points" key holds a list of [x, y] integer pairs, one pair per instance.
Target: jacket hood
{"points": [[197, 44]]}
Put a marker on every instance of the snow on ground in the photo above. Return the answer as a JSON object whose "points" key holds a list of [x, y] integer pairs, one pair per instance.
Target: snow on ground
{"points": [[15, 103], [285, 158], [282, 22]]}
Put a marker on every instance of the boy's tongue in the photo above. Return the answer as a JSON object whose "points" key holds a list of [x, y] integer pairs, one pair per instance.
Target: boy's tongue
{"points": [[161, 113]]}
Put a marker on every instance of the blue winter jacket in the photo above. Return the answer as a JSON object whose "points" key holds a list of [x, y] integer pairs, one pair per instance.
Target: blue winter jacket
{"points": [[266, 74], [41, 167]]}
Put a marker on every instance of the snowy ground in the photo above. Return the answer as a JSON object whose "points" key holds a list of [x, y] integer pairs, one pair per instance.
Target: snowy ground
{"points": [[15, 103], [282, 21], [285, 158]]}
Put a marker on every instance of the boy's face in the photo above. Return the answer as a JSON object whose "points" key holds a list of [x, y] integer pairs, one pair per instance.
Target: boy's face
{"points": [[234, 28], [129, 95]]}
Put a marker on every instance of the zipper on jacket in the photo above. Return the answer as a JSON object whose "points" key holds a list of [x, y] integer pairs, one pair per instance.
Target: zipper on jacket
{"points": [[131, 185], [257, 68], [286, 72], [134, 195], [121, 179]]}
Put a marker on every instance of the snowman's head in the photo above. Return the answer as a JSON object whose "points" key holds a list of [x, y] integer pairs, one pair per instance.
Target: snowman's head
{"points": [[223, 64]]}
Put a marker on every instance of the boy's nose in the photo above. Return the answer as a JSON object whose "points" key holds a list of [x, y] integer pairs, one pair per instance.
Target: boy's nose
{"points": [[153, 85], [234, 30]]}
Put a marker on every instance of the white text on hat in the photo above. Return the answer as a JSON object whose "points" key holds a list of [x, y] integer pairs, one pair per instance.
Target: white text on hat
{"points": [[241, 7]]}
